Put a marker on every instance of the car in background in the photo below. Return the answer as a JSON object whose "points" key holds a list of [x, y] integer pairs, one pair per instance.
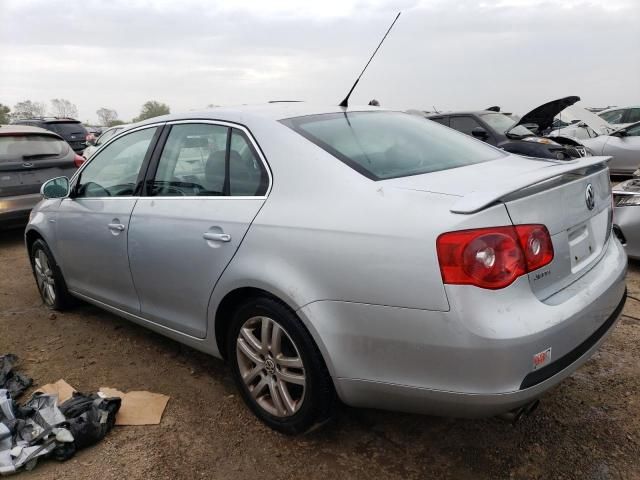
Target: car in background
{"points": [[578, 123], [354, 252], [94, 144], [621, 116], [626, 200], [29, 156], [71, 130], [501, 131], [623, 146]]}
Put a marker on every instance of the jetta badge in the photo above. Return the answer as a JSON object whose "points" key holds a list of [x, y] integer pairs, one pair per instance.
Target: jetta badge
{"points": [[590, 197]]}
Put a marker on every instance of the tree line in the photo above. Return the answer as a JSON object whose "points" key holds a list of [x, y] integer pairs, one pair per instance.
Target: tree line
{"points": [[61, 107]]}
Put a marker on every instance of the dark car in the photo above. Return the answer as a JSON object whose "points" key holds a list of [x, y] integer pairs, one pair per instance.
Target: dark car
{"points": [[503, 132], [72, 131], [29, 156]]}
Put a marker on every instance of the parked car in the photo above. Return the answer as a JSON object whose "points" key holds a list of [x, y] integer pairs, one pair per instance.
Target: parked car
{"points": [[93, 145], [599, 137], [622, 145], [503, 132], [72, 131], [626, 198], [29, 156], [621, 116], [356, 252]]}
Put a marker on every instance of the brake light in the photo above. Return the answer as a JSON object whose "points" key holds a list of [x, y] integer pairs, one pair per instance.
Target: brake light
{"points": [[78, 160], [493, 257]]}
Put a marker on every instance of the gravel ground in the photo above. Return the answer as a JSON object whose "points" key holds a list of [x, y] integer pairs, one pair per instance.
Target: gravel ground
{"points": [[587, 427]]}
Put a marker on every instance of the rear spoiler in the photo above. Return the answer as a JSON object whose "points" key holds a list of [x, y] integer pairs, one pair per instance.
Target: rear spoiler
{"points": [[477, 200]]}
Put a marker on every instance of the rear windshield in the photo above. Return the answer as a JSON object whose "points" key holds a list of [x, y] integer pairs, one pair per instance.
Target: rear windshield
{"points": [[30, 147], [68, 128], [382, 145]]}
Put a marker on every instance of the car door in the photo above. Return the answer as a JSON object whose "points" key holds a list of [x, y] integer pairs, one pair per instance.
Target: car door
{"points": [[625, 150], [201, 194], [92, 224]]}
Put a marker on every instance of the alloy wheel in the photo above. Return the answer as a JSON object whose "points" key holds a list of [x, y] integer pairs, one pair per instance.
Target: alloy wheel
{"points": [[271, 366], [44, 277]]}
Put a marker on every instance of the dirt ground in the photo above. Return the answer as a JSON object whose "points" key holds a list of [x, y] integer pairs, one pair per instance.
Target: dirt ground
{"points": [[587, 427]]}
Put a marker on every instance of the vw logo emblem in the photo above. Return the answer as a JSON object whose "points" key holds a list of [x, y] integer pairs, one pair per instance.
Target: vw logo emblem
{"points": [[590, 197]]}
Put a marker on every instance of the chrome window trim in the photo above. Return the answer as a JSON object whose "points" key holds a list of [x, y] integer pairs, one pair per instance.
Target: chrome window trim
{"points": [[256, 148], [95, 154], [223, 123]]}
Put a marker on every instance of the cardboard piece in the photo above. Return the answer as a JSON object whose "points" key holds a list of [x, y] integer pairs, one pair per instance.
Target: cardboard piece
{"points": [[138, 408], [60, 388]]}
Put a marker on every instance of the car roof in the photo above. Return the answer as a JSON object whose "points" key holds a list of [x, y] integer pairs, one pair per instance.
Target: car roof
{"points": [[26, 129], [48, 120], [613, 109], [461, 112], [271, 111]]}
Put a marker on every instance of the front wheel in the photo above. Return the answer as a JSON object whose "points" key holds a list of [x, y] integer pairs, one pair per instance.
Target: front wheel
{"points": [[278, 368], [51, 284]]}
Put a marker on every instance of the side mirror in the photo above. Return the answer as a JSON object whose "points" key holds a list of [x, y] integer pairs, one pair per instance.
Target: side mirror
{"points": [[480, 133], [55, 188]]}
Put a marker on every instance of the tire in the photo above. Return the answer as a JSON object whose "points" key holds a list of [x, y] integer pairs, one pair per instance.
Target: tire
{"points": [[51, 284], [269, 374]]}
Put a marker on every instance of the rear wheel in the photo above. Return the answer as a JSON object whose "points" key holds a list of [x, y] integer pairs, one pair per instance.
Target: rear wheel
{"points": [[51, 285], [278, 368]]}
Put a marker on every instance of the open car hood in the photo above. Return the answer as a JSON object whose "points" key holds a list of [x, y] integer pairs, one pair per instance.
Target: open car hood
{"points": [[575, 113], [544, 114]]}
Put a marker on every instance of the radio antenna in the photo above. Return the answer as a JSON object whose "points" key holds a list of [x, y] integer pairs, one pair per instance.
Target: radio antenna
{"points": [[345, 102]]}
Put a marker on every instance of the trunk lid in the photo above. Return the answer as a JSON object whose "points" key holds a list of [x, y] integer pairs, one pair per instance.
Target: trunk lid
{"points": [[553, 193]]}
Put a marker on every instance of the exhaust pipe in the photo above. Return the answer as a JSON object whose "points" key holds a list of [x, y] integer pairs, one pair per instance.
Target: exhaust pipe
{"points": [[516, 414]]}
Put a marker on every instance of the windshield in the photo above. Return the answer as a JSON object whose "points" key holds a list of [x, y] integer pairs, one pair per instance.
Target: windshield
{"points": [[20, 147], [383, 145], [502, 123]]}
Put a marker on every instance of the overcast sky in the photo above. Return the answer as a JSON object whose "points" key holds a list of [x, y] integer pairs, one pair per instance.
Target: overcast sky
{"points": [[453, 54]]}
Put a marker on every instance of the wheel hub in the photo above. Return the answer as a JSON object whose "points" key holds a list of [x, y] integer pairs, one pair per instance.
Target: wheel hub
{"points": [[270, 366]]}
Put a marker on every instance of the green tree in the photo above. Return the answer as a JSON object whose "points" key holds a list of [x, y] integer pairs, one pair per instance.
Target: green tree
{"points": [[5, 116], [152, 109]]}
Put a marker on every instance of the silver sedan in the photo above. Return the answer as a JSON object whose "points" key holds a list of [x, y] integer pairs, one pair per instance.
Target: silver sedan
{"points": [[356, 254]]}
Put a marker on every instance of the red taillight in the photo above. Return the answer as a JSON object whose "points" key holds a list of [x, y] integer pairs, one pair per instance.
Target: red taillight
{"points": [[78, 160], [493, 257]]}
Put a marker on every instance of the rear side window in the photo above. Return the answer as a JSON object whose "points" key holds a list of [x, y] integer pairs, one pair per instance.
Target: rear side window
{"points": [[201, 159], [441, 120], [383, 145], [30, 147]]}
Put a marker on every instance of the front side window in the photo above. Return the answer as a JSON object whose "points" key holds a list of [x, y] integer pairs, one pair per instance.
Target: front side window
{"points": [[464, 124], [633, 131], [633, 116], [202, 159], [113, 172], [106, 136], [382, 145]]}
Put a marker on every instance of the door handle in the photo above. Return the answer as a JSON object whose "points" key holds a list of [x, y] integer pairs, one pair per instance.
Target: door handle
{"points": [[116, 227], [219, 237]]}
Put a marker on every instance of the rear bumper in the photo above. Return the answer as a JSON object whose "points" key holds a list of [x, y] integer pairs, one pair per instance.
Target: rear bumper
{"points": [[16, 209], [475, 360]]}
